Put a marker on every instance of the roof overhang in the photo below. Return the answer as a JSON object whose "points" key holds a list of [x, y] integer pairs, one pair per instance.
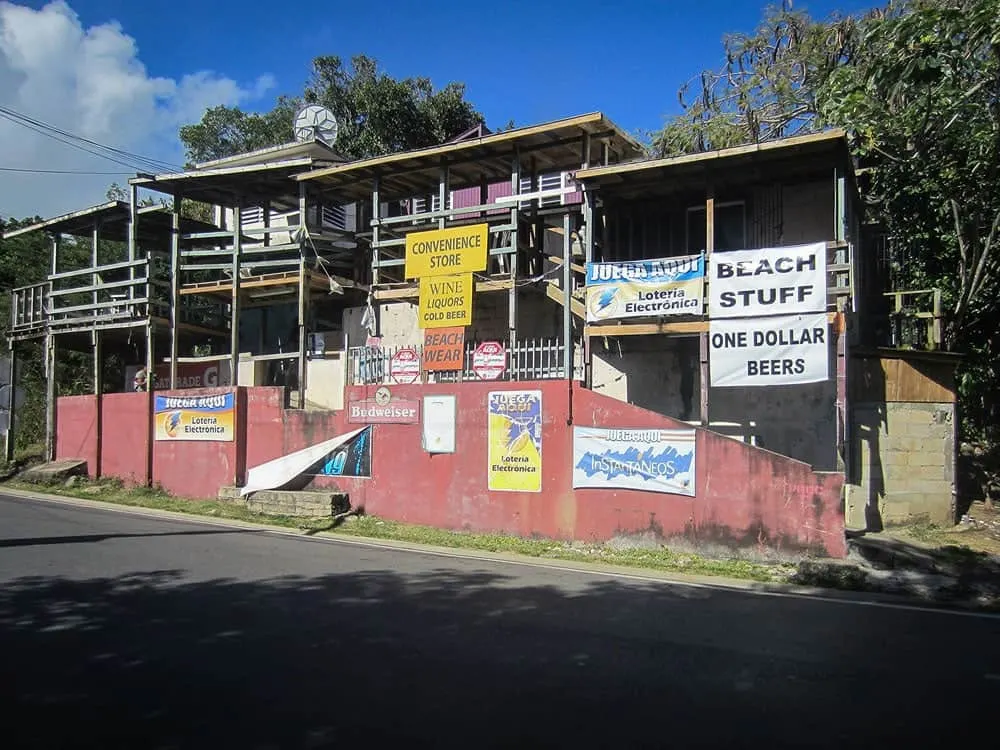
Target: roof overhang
{"points": [[111, 219], [224, 186], [552, 146], [815, 154], [295, 150]]}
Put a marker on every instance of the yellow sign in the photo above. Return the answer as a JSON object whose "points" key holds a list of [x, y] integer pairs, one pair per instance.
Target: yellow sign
{"points": [[515, 441], [445, 301], [443, 252], [196, 417]]}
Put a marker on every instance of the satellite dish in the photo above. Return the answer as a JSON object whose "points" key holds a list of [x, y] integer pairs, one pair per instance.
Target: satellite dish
{"points": [[314, 122]]}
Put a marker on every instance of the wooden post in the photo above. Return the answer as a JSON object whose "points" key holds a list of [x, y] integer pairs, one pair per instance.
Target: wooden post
{"points": [[10, 436], [515, 190], [376, 217], [50, 371], [703, 338], [538, 223], [443, 179], [567, 296], [133, 241], [234, 324], [94, 277], [484, 197], [50, 397], [265, 207], [98, 397], [303, 297], [588, 253], [150, 397], [175, 284]]}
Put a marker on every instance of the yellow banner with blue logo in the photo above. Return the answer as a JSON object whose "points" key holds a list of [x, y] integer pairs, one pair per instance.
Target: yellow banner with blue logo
{"points": [[196, 417], [645, 288], [515, 441]]}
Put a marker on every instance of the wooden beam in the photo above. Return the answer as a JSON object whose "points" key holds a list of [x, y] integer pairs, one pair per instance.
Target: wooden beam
{"points": [[686, 327], [175, 299], [412, 290], [555, 293], [683, 327], [559, 261], [234, 321]]}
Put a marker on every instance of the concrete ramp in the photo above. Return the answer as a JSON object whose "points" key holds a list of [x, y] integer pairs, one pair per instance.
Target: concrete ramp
{"points": [[55, 471], [299, 504]]}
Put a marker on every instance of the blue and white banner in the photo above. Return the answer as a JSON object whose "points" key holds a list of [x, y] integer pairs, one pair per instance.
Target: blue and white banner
{"points": [[650, 459], [645, 288]]}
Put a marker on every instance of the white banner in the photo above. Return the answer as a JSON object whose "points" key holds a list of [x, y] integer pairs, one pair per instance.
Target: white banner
{"points": [[281, 470], [642, 459], [779, 350], [770, 281]]}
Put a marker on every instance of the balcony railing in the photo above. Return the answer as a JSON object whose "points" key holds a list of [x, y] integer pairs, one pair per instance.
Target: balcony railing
{"points": [[915, 320], [28, 306], [528, 359]]}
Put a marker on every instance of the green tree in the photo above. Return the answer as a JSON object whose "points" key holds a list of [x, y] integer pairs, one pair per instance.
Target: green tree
{"points": [[916, 84], [377, 114], [24, 261], [769, 85], [923, 107]]}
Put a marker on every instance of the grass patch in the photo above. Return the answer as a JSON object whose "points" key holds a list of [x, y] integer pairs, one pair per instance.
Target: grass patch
{"points": [[371, 527], [114, 491]]}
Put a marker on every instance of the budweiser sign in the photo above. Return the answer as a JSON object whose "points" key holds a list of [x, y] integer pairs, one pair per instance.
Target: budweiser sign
{"points": [[397, 411]]}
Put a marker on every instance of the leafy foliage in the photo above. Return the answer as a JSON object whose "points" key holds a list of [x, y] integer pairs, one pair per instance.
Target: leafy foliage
{"points": [[377, 114], [923, 107], [23, 261], [768, 87], [917, 86]]}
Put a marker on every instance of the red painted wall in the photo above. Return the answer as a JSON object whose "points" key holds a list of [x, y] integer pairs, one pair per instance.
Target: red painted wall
{"points": [[124, 436], [76, 430], [195, 468], [746, 496]]}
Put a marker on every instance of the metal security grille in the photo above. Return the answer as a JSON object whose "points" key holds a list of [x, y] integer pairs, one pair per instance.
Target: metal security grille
{"points": [[528, 359]]}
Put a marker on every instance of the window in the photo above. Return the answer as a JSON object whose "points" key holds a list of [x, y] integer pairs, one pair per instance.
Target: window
{"points": [[547, 181], [420, 205], [730, 227], [333, 216], [252, 215]]}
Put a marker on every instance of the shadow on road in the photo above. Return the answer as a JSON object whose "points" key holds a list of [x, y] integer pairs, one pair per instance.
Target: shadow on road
{"points": [[445, 658], [88, 538]]}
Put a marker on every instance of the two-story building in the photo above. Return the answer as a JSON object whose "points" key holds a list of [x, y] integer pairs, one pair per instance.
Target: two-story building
{"points": [[720, 313]]}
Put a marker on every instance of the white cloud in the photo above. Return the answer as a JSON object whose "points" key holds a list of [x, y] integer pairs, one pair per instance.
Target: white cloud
{"points": [[90, 82]]}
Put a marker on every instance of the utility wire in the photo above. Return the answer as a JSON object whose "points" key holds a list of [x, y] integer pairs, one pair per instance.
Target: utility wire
{"points": [[144, 160], [58, 171], [119, 156]]}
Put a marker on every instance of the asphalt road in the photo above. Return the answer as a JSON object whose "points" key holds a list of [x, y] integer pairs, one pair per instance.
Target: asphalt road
{"points": [[120, 630]]}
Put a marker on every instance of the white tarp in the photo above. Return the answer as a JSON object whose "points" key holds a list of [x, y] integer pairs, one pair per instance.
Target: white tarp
{"points": [[780, 350], [769, 281], [281, 470], [653, 460]]}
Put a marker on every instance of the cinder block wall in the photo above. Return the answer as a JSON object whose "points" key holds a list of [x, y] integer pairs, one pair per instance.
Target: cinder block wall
{"points": [[903, 443]]}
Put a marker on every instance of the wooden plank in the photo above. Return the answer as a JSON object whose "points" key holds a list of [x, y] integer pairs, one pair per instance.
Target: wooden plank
{"points": [[559, 261], [645, 329], [555, 293], [409, 291], [683, 327]]}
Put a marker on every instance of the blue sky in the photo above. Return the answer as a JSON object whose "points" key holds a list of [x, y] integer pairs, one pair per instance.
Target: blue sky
{"points": [[522, 59], [129, 73]]}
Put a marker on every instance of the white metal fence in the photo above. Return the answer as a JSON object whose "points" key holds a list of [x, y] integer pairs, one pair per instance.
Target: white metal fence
{"points": [[528, 359]]}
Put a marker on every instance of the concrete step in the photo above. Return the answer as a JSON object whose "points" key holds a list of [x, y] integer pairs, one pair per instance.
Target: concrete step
{"points": [[55, 471], [298, 503]]}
